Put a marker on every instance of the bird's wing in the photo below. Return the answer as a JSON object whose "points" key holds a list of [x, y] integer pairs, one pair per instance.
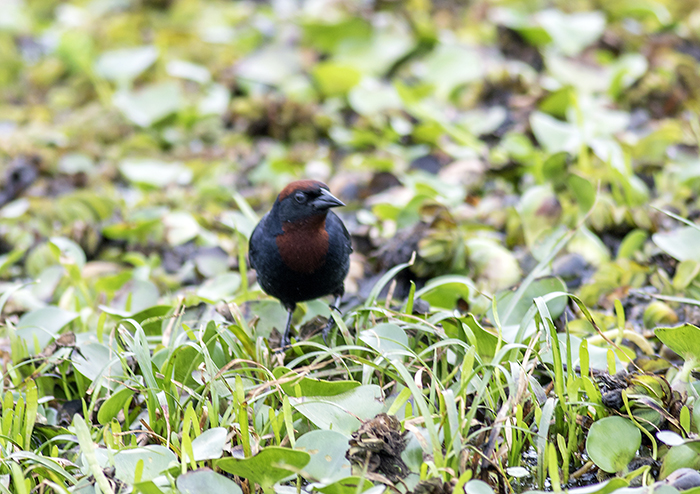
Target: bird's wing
{"points": [[348, 242], [346, 234], [252, 250]]}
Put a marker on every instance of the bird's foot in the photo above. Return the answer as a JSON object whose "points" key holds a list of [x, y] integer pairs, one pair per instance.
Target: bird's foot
{"points": [[285, 343], [327, 328]]}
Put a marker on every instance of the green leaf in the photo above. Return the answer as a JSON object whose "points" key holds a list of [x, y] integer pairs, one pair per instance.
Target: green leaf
{"points": [[289, 380], [571, 33], [681, 243], [584, 191], [328, 36], [335, 79], [513, 315], [269, 466], [68, 251], [684, 340], [348, 485], [42, 325], [96, 359], [155, 460], [32, 406], [477, 487], [327, 450], [386, 339], [209, 445], [180, 227], [126, 64], [272, 65], [450, 66], [155, 173], [492, 263], [612, 443], [555, 135], [632, 243], [683, 456], [188, 70], [445, 291], [372, 96], [87, 448], [221, 287], [151, 104], [113, 405], [206, 481], [341, 412]]}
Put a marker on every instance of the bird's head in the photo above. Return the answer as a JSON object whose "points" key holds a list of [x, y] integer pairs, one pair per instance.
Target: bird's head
{"points": [[305, 199]]}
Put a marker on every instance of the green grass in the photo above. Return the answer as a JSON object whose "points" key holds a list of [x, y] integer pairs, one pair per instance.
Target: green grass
{"points": [[522, 184]]}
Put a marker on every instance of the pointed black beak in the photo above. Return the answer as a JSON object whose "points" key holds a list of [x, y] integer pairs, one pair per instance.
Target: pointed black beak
{"points": [[326, 201]]}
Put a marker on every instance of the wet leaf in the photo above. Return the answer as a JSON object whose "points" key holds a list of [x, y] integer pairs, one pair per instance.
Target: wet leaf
{"points": [[571, 33], [327, 450], [151, 104], [188, 70], [612, 443], [124, 65], [450, 66], [40, 326], [206, 481], [269, 466], [155, 173], [335, 79], [341, 412], [386, 339], [684, 340], [680, 243]]}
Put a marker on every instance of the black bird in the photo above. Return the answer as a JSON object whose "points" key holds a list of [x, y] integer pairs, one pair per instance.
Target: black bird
{"points": [[301, 249]]}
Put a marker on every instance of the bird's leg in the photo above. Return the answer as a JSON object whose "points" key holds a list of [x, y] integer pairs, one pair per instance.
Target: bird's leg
{"points": [[330, 322], [285, 338]]}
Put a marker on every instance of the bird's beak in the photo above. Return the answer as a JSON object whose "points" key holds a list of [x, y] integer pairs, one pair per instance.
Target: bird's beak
{"points": [[326, 201]]}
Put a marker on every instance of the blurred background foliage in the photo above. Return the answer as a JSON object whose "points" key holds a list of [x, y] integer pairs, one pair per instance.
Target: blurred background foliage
{"points": [[141, 139]]}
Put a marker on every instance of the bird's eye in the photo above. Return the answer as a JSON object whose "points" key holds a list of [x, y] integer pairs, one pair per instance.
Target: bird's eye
{"points": [[300, 197]]}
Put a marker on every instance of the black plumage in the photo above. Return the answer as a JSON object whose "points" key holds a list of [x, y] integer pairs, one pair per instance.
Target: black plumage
{"points": [[300, 249]]}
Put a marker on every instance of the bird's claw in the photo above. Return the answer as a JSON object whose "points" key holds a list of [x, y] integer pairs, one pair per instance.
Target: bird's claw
{"points": [[327, 329], [285, 343]]}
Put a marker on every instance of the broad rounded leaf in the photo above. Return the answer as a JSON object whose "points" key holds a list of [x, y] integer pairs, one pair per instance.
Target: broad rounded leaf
{"points": [[571, 33], [209, 444], [154, 172], [477, 487], [681, 243], [327, 449], [113, 405], [348, 485], [206, 481], [154, 458], [188, 70], [342, 412], [289, 380], [386, 339], [449, 66], [180, 227], [612, 443], [40, 326], [269, 466], [221, 287], [684, 340], [150, 104], [126, 64], [96, 359]]}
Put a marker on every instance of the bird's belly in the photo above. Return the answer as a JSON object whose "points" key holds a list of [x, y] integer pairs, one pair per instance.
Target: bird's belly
{"points": [[290, 287]]}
